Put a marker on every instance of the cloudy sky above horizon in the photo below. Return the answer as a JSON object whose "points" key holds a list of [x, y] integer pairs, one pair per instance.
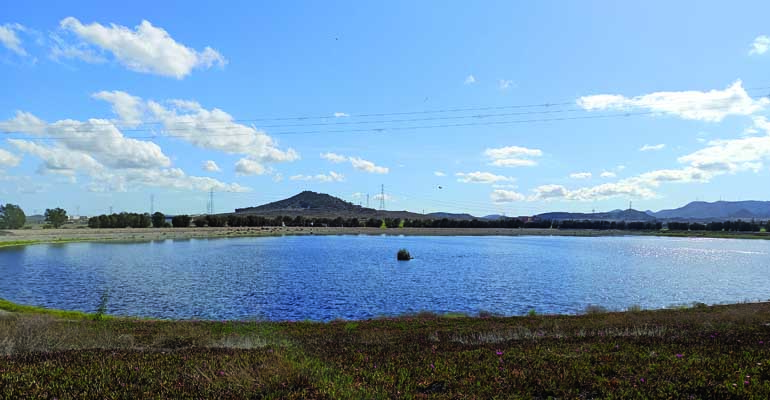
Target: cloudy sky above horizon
{"points": [[491, 108]]}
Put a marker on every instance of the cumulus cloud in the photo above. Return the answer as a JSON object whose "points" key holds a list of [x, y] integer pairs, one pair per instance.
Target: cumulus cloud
{"points": [[580, 175], [607, 174], [59, 159], [506, 196], [96, 137], [711, 106], [652, 147], [760, 45], [357, 163], [10, 40], [719, 157], [599, 192], [470, 80], [335, 158], [341, 115], [729, 156], [128, 108], [367, 166], [146, 48], [8, 159], [323, 178], [512, 156], [23, 122], [216, 130], [244, 166], [211, 166], [98, 150], [482, 177], [439, 173]]}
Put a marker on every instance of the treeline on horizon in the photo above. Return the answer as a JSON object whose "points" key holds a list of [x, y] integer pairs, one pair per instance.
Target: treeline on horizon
{"points": [[158, 220]]}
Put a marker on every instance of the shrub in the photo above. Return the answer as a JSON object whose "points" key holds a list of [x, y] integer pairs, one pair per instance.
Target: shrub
{"points": [[403, 255], [594, 309], [200, 222]]}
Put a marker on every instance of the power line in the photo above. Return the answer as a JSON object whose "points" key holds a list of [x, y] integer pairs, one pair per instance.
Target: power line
{"points": [[422, 112], [178, 126]]}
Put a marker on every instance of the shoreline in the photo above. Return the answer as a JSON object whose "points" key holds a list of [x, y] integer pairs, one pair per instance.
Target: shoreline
{"points": [[23, 237]]}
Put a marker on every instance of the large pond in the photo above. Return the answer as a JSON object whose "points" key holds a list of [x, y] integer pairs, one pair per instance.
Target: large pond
{"points": [[358, 277]]}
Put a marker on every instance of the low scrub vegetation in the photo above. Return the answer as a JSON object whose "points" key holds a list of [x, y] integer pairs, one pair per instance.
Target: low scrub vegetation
{"points": [[698, 352]]}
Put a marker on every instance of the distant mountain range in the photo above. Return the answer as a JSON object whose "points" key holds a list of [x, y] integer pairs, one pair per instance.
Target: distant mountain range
{"points": [[312, 204], [718, 210], [700, 211]]}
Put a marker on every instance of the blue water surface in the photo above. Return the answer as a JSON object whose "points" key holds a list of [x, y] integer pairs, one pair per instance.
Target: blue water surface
{"points": [[357, 277]]}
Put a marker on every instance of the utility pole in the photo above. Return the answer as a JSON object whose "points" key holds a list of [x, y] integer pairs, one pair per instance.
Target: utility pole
{"points": [[630, 204], [367, 200], [382, 197], [211, 201], [110, 210]]}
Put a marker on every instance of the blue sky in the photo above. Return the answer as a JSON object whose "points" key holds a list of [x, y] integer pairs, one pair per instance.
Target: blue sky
{"points": [[491, 107]]}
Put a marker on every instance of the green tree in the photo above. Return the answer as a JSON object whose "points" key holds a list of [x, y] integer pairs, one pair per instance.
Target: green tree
{"points": [[56, 217], [11, 217], [181, 221], [158, 220]]}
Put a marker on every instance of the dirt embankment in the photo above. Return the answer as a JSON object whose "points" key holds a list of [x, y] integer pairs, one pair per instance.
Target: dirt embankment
{"points": [[27, 236]]}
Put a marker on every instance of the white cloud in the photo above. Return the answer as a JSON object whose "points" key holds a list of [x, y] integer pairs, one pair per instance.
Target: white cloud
{"points": [[599, 192], [580, 175], [729, 156], [652, 147], [96, 137], [146, 49], [341, 115], [61, 49], [514, 162], [335, 158], [684, 175], [505, 84], [711, 106], [245, 166], [97, 149], [323, 178], [506, 196], [367, 166], [127, 107], [512, 156], [620, 167], [23, 122], [607, 174], [439, 173], [482, 177], [386, 196], [357, 163], [10, 39], [169, 178], [8, 159], [59, 159], [216, 130], [760, 45], [470, 80], [211, 166]]}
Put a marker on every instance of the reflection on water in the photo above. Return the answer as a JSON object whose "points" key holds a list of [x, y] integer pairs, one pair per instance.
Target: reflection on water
{"points": [[328, 277]]}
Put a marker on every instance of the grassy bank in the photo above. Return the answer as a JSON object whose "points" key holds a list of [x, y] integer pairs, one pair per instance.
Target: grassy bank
{"points": [[27, 237], [703, 352]]}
